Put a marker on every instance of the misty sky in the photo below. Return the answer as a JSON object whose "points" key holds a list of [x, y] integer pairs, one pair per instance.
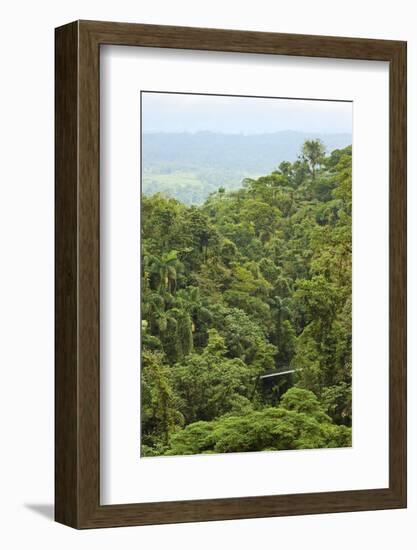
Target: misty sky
{"points": [[163, 112]]}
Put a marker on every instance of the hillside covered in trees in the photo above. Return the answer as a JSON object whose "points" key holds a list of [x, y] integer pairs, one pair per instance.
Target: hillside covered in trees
{"points": [[252, 282], [189, 166]]}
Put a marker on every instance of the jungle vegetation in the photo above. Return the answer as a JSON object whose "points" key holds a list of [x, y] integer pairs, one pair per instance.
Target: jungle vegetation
{"points": [[252, 281]]}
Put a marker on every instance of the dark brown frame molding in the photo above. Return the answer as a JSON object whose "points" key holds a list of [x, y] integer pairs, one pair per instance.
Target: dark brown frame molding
{"points": [[77, 471]]}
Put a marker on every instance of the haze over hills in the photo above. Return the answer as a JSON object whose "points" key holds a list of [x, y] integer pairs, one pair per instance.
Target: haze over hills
{"points": [[190, 166]]}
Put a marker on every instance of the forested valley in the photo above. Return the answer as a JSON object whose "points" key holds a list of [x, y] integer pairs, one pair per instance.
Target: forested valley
{"points": [[246, 313], [189, 166]]}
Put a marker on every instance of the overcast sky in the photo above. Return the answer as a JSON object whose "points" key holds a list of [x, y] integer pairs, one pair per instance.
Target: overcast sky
{"points": [[163, 112]]}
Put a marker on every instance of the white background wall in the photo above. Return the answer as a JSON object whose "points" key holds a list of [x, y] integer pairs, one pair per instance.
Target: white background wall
{"points": [[26, 272]]}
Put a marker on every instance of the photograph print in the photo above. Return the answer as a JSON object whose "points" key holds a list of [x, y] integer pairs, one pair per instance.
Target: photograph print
{"points": [[246, 274]]}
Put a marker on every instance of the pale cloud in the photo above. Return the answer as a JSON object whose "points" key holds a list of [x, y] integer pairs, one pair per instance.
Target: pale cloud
{"points": [[169, 112]]}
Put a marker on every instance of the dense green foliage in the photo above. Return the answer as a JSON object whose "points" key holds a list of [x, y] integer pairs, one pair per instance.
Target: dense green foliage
{"points": [[252, 281], [190, 166]]}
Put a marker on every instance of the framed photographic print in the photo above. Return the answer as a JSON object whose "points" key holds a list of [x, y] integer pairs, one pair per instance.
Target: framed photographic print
{"points": [[230, 274]]}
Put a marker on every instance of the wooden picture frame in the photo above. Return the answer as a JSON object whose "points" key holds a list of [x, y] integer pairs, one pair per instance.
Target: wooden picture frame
{"points": [[77, 382]]}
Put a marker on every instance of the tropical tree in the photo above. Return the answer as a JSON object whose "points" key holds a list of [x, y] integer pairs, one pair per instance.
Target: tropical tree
{"points": [[313, 153], [164, 270]]}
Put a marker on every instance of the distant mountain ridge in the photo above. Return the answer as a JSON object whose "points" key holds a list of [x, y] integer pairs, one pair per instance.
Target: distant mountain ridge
{"points": [[257, 151], [189, 166]]}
